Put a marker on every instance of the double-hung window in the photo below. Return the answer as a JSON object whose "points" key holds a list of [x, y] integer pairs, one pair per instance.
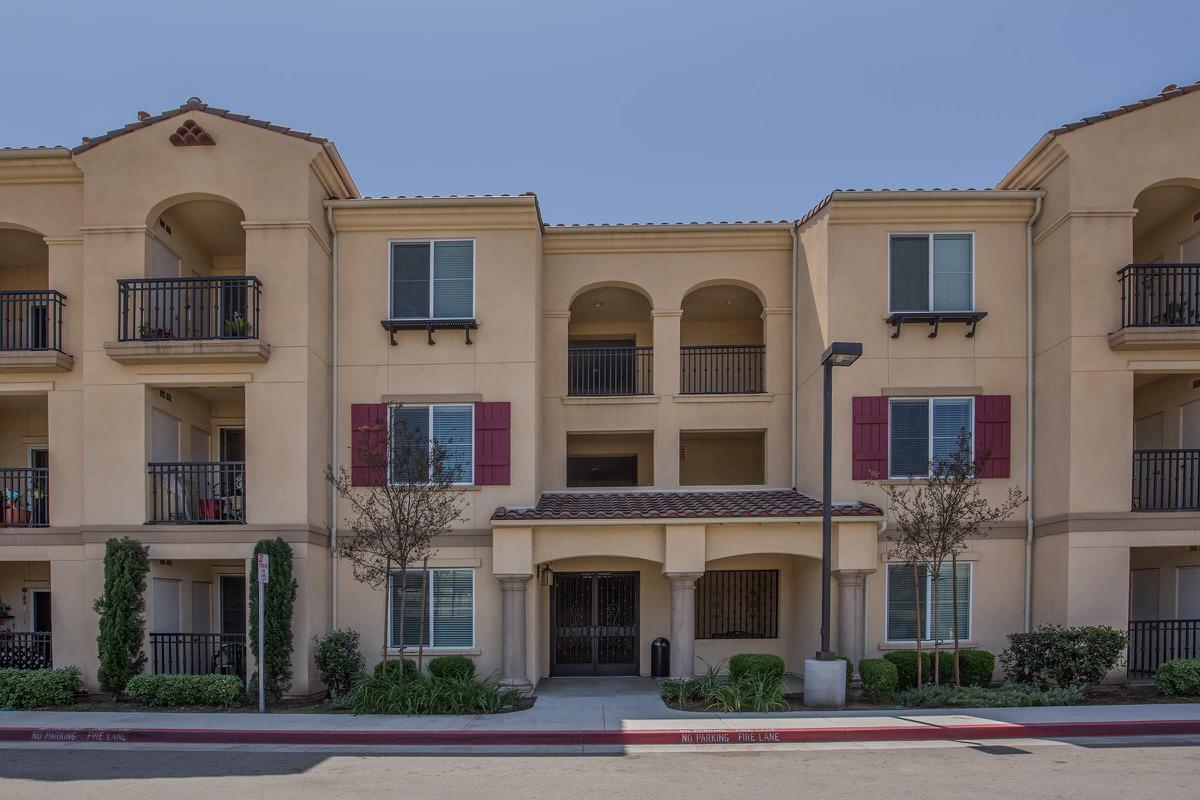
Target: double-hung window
{"points": [[932, 272], [904, 608], [925, 431], [433, 280], [448, 430], [440, 603]]}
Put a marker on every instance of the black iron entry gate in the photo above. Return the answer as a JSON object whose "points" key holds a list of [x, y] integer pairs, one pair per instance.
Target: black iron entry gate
{"points": [[594, 623]]}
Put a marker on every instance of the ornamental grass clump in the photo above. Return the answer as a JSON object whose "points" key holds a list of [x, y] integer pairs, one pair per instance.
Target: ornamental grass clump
{"points": [[391, 691], [756, 685]]}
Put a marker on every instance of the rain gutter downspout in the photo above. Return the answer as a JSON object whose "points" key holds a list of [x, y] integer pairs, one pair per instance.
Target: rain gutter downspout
{"points": [[1037, 212], [795, 358], [333, 423]]}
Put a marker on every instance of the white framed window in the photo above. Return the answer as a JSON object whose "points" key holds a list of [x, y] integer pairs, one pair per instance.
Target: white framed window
{"points": [[931, 272], [451, 425], [902, 603], [444, 597], [925, 430], [432, 279]]}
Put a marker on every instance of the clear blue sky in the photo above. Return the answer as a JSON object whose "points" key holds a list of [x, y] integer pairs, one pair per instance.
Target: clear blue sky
{"points": [[611, 111]]}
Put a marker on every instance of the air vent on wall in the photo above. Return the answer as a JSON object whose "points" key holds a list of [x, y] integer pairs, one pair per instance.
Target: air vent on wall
{"points": [[1196, 383], [682, 453]]}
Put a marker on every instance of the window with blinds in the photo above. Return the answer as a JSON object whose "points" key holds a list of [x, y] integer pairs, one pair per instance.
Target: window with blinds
{"points": [[738, 604], [937, 618], [451, 426], [433, 280], [922, 431], [444, 598], [931, 272]]}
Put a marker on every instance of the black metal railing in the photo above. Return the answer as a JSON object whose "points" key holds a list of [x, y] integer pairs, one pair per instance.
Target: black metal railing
{"points": [[1160, 295], [25, 497], [1153, 642], [610, 371], [198, 654], [721, 369], [198, 492], [225, 307], [1166, 480], [25, 650], [31, 320]]}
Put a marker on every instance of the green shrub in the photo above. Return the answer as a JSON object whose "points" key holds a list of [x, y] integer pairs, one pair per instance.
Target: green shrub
{"points": [[1007, 696], [185, 690], [679, 692], [747, 664], [420, 694], [122, 609], [452, 667], [339, 661], [392, 669], [1054, 655], [38, 688], [905, 662], [751, 690], [279, 598], [1180, 677], [879, 679], [975, 667]]}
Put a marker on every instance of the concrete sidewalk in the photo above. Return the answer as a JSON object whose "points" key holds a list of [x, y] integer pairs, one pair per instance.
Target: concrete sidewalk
{"points": [[584, 711]]}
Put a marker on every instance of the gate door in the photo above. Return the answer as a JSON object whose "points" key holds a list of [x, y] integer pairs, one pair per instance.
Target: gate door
{"points": [[594, 624]]}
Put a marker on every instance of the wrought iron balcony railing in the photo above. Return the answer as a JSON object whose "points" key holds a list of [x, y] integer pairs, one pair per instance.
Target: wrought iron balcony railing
{"points": [[721, 369], [610, 371], [1160, 295], [225, 307], [31, 320], [198, 492], [1166, 480]]}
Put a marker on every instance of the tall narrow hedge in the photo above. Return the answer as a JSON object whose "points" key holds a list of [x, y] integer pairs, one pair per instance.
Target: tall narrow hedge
{"points": [[279, 598], [122, 610]]}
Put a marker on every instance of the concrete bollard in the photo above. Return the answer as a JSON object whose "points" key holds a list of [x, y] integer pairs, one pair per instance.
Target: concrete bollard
{"points": [[825, 683]]}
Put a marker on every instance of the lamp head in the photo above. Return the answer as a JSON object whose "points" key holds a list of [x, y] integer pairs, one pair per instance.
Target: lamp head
{"points": [[841, 354]]}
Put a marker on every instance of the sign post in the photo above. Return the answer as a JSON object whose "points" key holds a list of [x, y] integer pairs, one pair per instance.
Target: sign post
{"points": [[263, 574]]}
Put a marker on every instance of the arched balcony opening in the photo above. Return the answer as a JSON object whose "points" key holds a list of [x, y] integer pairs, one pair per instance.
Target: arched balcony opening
{"points": [[30, 312], [610, 344], [195, 285], [721, 348], [1161, 288]]}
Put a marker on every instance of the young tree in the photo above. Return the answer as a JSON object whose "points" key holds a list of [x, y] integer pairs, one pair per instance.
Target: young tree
{"points": [[122, 610], [393, 523], [279, 600], [935, 518]]}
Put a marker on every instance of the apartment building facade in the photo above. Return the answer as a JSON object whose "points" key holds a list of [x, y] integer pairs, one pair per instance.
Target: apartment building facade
{"points": [[199, 312]]}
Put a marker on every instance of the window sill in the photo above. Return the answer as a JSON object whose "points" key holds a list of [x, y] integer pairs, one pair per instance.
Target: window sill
{"points": [[927, 647], [464, 324], [436, 651], [743, 397], [605, 400]]}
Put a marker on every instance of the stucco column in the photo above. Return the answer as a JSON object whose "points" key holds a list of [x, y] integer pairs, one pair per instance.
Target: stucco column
{"points": [[683, 623], [852, 609], [512, 590], [666, 351]]}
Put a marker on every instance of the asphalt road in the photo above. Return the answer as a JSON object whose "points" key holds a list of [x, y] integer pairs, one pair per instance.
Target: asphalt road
{"points": [[1092, 769]]}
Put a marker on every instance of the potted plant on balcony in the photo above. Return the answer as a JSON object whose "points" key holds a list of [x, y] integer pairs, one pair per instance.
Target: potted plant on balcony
{"points": [[15, 514], [147, 332], [236, 325], [210, 506]]}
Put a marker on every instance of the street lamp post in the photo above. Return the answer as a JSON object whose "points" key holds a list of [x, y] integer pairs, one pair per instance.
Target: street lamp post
{"points": [[838, 354], [825, 676]]}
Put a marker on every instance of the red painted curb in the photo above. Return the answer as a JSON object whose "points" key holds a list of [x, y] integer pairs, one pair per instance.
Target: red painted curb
{"points": [[531, 738]]}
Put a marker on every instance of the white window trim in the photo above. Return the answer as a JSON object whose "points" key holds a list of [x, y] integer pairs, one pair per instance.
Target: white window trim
{"points": [[929, 429], [430, 407], [432, 246], [927, 622], [929, 306], [429, 648]]}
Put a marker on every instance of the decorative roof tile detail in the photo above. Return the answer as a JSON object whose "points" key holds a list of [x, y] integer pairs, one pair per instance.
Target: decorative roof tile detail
{"points": [[1168, 92], [190, 133], [748, 504], [192, 105]]}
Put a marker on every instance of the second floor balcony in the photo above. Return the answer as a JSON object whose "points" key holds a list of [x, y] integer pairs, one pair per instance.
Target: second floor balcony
{"points": [[206, 318], [1166, 480], [197, 492], [721, 369]]}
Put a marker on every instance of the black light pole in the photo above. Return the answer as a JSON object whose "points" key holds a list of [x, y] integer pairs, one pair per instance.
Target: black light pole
{"points": [[838, 354]]}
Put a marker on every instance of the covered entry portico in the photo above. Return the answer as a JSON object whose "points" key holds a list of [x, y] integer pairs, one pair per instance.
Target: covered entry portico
{"points": [[591, 579]]}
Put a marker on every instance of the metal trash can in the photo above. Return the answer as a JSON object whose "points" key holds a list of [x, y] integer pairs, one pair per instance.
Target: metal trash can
{"points": [[660, 658]]}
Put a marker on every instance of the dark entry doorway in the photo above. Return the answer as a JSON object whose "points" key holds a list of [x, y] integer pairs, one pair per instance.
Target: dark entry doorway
{"points": [[594, 623]]}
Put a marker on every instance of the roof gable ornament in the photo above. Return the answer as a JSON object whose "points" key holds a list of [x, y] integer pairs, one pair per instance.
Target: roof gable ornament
{"points": [[190, 133]]}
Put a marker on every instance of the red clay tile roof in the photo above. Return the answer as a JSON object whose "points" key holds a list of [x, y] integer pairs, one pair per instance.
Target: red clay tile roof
{"points": [[748, 503], [195, 104], [1168, 93]]}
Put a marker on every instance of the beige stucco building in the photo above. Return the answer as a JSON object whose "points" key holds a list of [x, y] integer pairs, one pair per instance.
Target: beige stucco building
{"points": [[199, 312]]}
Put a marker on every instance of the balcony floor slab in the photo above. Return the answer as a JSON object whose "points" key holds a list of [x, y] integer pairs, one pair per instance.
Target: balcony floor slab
{"points": [[35, 361], [1172, 338], [209, 351]]}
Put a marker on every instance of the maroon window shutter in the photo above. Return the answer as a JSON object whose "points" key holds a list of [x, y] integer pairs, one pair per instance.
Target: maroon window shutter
{"points": [[368, 435], [993, 435], [870, 438], [493, 422]]}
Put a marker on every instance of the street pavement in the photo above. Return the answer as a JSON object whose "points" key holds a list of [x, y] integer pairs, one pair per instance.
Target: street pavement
{"points": [[1091, 769]]}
